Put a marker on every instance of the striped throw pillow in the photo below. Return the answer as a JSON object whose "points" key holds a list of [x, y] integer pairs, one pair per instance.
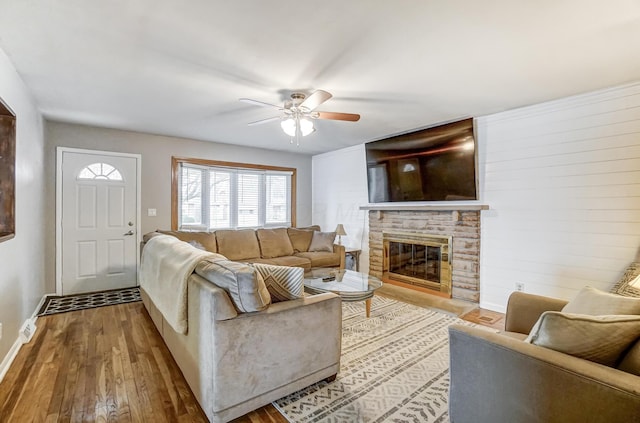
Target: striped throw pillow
{"points": [[283, 283]]}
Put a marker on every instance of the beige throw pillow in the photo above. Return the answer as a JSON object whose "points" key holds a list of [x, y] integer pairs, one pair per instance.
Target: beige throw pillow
{"points": [[597, 303], [300, 239], [322, 241], [602, 339], [243, 283], [206, 239], [284, 283], [274, 242]]}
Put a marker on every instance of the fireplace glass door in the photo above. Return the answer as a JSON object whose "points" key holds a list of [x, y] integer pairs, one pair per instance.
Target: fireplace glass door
{"points": [[415, 260]]}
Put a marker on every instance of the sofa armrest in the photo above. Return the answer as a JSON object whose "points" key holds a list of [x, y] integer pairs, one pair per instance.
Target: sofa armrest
{"points": [[339, 249], [495, 378], [524, 310], [271, 349]]}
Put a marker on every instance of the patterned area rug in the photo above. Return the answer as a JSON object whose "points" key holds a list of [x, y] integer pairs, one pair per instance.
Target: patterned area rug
{"points": [[394, 368], [53, 305]]}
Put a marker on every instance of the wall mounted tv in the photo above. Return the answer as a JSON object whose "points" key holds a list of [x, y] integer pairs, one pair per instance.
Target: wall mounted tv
{"points": [[433, 164]]}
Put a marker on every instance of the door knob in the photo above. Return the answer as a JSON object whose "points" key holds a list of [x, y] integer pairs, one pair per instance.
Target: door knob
{"points": [[129, 233]]}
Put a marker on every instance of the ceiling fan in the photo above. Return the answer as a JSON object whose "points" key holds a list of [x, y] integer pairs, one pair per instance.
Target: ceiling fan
{"points": [[298, 112]]}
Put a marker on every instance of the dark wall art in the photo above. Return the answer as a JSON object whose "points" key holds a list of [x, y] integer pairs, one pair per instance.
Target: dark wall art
{"points": [[7, 173]]}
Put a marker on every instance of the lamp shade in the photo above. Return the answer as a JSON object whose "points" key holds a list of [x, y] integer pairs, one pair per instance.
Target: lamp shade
{"points": [[340, 230]]}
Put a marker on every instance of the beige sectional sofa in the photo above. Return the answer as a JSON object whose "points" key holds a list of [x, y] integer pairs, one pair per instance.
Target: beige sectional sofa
{"points": [[279, 246], [241, 349], [236, 362], [496, 377]]}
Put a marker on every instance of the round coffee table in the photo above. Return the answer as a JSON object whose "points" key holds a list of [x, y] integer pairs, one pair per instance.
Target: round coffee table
{"points": [[348, 284]]}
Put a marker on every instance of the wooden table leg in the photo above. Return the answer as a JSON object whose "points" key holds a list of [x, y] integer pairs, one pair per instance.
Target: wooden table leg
{"points": [[367, 304]]}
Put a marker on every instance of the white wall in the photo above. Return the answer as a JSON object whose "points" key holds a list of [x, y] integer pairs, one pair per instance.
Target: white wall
{"points": [[339, 189], [22, 258], [156, 154], [563, 182]]}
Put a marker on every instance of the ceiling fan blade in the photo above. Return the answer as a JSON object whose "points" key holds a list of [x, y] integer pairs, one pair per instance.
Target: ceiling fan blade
{"points": [[261, 121], [315, 99], [259, 103], [351, 117]]}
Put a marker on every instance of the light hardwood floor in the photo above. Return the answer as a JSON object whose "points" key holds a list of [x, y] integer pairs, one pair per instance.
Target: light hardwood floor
{"points": [[109, 364]]}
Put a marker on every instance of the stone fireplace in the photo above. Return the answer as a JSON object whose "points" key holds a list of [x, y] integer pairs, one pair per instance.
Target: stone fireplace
{"points": [[452, 232]]}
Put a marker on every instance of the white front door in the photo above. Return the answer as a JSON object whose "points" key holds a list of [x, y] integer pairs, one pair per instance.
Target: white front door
{"points": [[98, 233]]}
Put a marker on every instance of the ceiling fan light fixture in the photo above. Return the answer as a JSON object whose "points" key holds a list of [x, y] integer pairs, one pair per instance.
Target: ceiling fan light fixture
{"points": [[306, 127], [289, 126]]}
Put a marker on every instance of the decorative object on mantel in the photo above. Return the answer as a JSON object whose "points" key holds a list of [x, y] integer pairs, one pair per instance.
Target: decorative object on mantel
{"points": [[297, 113], [340, 232], [629, 284], [394, 367]]}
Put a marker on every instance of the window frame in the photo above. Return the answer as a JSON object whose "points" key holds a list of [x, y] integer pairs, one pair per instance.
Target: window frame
{"points": [[176, 163]]}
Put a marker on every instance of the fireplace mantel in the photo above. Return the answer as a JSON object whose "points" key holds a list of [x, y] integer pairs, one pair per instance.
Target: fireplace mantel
{"points": [[426, 207]]}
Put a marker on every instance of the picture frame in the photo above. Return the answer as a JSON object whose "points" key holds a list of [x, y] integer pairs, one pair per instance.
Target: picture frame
{"points": [[629, 284], [7, 172]]}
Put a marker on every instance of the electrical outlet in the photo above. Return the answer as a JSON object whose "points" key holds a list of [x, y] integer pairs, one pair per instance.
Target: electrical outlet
{"points": [[27, 330], [151, 212], [519, 286]]}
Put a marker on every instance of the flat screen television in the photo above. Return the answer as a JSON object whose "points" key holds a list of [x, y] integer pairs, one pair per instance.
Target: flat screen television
{"points": [[433, 164]]}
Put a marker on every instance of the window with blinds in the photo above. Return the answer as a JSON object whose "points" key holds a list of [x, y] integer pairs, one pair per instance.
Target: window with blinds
{"points": [[214, 197]]}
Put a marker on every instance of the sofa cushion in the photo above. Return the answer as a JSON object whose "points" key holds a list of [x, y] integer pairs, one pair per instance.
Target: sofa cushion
{"points": [[206, 239], [595, 302], [274, 242], [321, 258], [243, 283], [300, 238], [322, 241], [602, 339], [238, 244], [291, 261], [284, 283], [631, 361]]}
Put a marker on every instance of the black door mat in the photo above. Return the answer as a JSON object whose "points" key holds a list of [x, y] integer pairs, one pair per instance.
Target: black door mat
{"points": [[62, 304]]}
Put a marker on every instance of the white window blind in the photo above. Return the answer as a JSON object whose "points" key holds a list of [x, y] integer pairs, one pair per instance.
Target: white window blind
{"points": [[219, 197], [191, 197]]}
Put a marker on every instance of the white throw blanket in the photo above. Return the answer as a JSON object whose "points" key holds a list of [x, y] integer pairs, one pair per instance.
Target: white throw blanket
{"points": [[166, 265]]}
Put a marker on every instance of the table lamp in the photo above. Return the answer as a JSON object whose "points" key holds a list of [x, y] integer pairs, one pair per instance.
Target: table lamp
{"points": [[340, 232]]}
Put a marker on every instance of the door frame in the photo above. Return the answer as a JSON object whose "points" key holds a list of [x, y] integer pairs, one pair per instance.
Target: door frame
{"points": [[59, 153]]}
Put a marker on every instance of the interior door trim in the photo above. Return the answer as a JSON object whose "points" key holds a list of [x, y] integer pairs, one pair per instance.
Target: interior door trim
{"points": [[59, 153]]}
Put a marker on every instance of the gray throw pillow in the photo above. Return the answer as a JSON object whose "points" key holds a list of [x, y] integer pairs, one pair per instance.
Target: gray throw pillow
{"points": [[597, 303], [322, 241], [602, 339], [243, 283]]}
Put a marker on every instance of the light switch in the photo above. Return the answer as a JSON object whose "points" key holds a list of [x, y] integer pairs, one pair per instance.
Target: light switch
{"points": [[151, 212]]}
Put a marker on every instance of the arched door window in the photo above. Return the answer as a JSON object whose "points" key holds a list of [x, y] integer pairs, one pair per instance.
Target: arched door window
{"points": [[102, 171]]}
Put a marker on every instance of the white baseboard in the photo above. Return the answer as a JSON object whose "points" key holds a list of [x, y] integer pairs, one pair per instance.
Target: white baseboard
{"points": [[15, 348], [8, 359]]}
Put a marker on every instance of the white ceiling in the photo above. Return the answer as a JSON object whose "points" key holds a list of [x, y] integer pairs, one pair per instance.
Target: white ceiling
{"points": [[178, 68]]}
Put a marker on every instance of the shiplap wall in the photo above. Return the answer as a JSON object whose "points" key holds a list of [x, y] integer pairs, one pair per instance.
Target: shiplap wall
{"points": [[563, 183], [339, 188]]}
